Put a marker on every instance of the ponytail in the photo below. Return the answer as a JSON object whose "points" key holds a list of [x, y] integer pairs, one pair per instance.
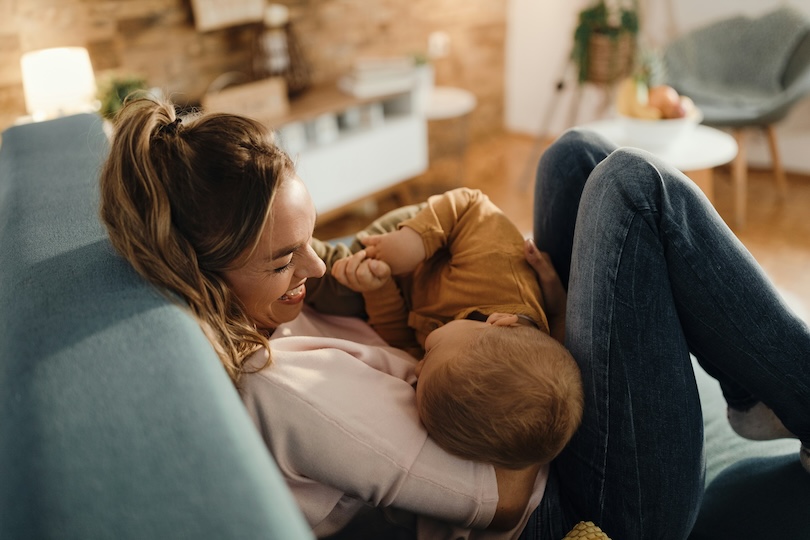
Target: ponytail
{"points": [[182, 200]]}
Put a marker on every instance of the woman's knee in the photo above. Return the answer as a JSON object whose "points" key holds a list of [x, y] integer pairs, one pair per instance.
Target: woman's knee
{"points": [[575, 147], [625, 181], [566, 165], [640, 180], [634, 171]]}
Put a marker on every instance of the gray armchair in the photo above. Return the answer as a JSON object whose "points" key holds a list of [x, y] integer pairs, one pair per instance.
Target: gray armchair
{"points": [[745, 73]]}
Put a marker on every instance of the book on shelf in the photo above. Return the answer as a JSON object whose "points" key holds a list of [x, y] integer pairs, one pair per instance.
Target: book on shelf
{"points": [[374, 76]]}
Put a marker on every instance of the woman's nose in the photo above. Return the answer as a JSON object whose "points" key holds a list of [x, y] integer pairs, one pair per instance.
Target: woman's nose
{"points": [[313, 266]]}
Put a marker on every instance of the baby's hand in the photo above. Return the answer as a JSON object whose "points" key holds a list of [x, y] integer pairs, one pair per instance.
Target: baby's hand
{"points": [[402, 249], [554, 295], [360, 273]]}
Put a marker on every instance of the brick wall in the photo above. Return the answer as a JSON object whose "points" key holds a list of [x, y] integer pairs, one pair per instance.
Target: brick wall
{"points": [[157, 39]]}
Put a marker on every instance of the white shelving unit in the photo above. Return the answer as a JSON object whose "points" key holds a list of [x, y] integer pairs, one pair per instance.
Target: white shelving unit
{"points": [[347, 148]]}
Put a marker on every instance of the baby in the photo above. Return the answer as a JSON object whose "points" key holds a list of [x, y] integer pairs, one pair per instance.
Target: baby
{"points": [[453, 283]]}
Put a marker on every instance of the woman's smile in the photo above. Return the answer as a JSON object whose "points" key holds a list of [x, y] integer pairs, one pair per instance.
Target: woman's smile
{"points": [[295, 295]]}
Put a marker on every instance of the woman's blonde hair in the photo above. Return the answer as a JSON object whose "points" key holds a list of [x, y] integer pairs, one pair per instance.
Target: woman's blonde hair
{"points": [[183, 200], [512, 398]]}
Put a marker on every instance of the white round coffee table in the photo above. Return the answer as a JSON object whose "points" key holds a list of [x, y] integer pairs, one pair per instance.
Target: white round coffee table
{"points": [[695, 153]]}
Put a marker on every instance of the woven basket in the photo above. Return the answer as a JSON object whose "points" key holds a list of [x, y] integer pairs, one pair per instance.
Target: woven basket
{"points": [[610, 58]]}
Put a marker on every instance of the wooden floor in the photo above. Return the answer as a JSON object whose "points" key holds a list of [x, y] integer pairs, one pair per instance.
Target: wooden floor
{"points": [[777, 232]]}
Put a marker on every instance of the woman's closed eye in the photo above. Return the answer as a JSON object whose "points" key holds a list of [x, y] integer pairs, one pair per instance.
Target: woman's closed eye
{"points": [[284, 267]]}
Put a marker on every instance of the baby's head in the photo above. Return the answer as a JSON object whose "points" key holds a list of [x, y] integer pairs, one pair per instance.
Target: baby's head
{"points": [[506, 395]]}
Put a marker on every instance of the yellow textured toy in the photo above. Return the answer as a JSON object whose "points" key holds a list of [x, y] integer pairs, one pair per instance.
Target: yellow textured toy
{"points": [[586, 530]]}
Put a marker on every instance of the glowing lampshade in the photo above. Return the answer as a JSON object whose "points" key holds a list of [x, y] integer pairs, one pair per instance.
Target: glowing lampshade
{"points": [[57, 82]]}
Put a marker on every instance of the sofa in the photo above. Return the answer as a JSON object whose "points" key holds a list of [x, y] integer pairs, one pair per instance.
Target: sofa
{"points": [[117, 421], [116, 417]]}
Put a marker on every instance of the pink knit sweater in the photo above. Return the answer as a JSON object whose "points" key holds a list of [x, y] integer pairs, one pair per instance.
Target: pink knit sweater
{"points": [[339, 416]]}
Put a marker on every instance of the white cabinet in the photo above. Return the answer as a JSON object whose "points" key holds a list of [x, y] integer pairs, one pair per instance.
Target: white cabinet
{"points": [[347, 148]]}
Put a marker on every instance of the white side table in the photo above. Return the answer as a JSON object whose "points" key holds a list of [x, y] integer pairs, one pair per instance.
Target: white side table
{"points": [[448, 102], [695, 154], [445, 103]]}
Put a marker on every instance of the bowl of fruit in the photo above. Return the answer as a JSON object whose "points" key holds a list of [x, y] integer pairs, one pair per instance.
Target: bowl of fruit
{"points": [[654, 117]]}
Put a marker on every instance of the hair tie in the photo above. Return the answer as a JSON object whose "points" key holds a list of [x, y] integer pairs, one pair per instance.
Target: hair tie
{"points": [[171, 127]]}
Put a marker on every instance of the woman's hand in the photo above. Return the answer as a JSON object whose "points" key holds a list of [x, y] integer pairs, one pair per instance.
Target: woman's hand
{"points": [[554, 296], [360, 273], [402, 249], [514, 490]]}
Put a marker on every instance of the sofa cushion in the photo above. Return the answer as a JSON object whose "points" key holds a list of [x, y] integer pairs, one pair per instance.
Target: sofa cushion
{"points": [[755, 490]]}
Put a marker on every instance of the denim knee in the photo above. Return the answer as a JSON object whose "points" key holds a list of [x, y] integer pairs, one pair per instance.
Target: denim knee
{"points": [[641, 178], [573, 148]]}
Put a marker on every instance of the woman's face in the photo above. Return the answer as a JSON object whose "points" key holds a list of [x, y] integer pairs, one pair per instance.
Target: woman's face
{"points": [[271, 284]]}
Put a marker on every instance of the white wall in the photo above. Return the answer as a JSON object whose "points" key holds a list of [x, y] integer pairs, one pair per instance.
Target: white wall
{"points": [[538, 46]]}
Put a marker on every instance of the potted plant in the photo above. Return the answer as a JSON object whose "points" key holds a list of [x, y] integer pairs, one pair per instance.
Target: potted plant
{"points": [[605, 41], [114, 89]]}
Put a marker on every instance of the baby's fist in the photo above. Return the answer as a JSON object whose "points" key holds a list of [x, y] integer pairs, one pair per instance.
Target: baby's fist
{"points": [[360, 273]]}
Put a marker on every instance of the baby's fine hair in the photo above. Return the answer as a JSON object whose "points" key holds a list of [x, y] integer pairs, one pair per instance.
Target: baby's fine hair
{"points": [[511, 398], [183, 199]]}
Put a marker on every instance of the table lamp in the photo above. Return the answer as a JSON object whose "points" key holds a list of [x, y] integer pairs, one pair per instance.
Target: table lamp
{"points": [[57, 82]]}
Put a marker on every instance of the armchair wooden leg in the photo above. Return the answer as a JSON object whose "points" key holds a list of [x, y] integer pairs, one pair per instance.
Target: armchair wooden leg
{"points": [[739, 178], [778, 170]]}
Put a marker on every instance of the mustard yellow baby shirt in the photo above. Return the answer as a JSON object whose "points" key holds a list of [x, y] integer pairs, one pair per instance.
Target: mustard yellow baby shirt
{"points": [[474, 261]]}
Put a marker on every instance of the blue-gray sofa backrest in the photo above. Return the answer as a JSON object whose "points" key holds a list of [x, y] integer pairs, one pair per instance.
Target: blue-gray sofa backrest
{"points": [[116, 418]]}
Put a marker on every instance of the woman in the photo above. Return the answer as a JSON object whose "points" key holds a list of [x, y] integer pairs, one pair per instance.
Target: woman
{"points": [[211, 211]]}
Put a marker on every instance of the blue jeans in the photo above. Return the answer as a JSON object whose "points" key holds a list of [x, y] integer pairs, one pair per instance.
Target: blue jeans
{"points": [[653, 274]]}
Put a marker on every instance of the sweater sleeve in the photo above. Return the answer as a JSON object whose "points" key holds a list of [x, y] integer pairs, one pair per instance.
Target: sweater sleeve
{"points": [[388, 316], [340, 419]]}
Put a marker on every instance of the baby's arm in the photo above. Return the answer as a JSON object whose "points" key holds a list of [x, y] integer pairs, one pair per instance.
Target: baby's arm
{"points": [[402, 249], [445, 220], [387, 312], [325, 294]]}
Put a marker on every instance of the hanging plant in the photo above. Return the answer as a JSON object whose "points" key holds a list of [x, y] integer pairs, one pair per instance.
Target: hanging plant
{"points": [[604, 42]]}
